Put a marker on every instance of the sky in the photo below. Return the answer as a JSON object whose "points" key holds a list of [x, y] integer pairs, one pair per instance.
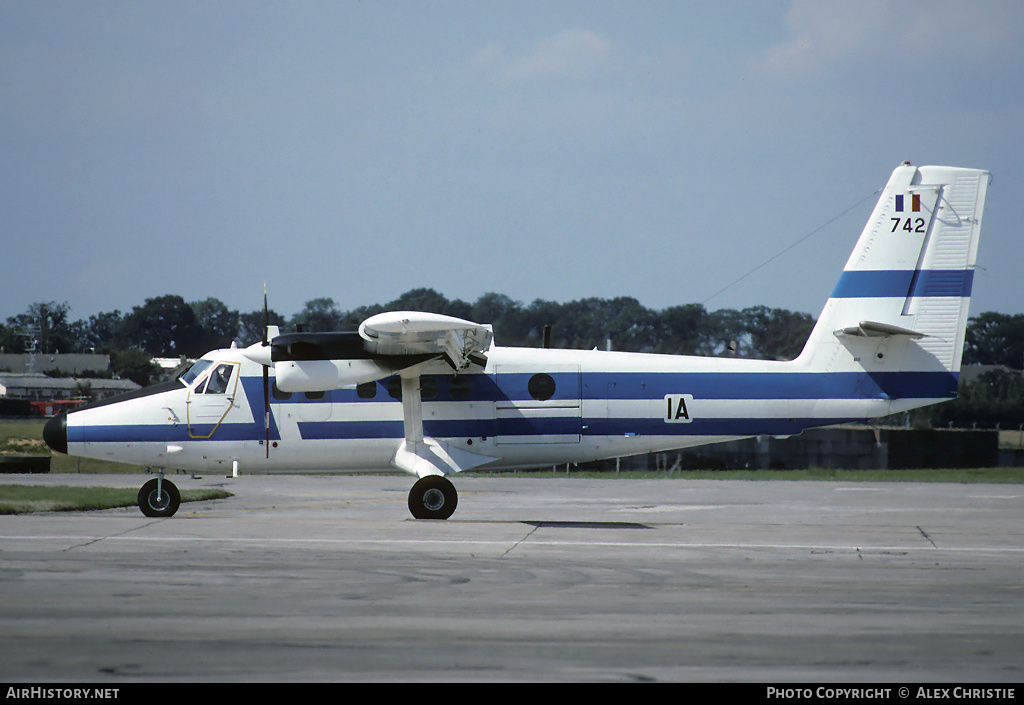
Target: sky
{"points": [[721, 152]]}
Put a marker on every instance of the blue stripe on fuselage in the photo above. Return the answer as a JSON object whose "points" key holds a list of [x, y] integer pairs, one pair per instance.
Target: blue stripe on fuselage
{"points": [[772, 385], [655, 385], [561, 426], [162, 433], [467, 428]]}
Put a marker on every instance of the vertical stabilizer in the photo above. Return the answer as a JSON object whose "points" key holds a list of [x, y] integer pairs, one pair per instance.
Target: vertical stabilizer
{"points": [[901, 304]]}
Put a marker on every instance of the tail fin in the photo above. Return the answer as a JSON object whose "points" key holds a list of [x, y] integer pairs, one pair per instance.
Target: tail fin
{"points": [[901, 303]]}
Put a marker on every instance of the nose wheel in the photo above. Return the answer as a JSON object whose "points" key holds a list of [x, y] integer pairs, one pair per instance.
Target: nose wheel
{"points": [[159, 498], [433, 497]]}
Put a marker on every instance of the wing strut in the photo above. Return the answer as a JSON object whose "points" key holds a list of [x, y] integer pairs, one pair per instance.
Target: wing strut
{"points": [[421, 455]]}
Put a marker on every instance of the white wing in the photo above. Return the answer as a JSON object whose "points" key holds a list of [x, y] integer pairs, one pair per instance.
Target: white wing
{"points": [[412, 332]]}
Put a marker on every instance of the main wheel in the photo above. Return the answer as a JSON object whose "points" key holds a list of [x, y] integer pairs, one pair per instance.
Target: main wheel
{"points": [[433, 497], [159, 501]]}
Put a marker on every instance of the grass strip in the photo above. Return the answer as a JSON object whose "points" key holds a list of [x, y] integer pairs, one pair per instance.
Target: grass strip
{"points": [[25, 499]]}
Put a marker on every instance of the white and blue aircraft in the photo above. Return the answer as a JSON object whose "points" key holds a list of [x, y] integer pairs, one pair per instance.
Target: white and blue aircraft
{"points": [[433, 395]]}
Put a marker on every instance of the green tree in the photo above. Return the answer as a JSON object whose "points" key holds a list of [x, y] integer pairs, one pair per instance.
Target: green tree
{"points": [[164, 326], [49, 321], [995, 339], [134, 364], [103, 329], [250, 326], [995, 397], [429, 301], [729, 334], [319, 315], [627, 325], [83, 390], [775, 333], [219, 324], [539, 314], [9, 340], [686, 330], [505, 315]]}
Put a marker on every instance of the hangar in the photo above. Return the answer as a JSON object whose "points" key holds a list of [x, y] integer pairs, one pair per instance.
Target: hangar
{"points": [[25, 390]]}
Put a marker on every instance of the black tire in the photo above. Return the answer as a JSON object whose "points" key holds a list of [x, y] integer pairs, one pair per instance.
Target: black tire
{"points": [[164, 504], [433, 497]]}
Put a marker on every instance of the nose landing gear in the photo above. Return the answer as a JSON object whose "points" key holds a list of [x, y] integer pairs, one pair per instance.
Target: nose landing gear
{"points": [[159, 497]]}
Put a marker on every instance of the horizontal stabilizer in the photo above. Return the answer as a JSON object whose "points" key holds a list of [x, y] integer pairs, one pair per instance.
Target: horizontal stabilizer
{"points": [[873, 329]]}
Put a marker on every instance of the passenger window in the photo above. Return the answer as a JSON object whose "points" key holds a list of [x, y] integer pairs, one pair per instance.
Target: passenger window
{"points": [[278, 394], [428, 387], [541, 387], [314, 396], [366, 390], [395, 388], [458, 387]]}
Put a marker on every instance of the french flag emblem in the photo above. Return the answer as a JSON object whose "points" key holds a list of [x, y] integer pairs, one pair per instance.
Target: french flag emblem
{"points": [[915, 203]]}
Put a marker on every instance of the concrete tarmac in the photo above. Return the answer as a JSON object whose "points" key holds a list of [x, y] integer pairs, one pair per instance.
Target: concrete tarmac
{"points": [[328, 578]]}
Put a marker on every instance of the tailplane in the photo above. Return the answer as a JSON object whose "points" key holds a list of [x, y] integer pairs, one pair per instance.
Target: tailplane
{"points": [[899, 310]]}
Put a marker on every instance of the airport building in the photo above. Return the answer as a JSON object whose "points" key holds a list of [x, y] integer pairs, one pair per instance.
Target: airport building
{"points": [[25, 390], [71, 365]]}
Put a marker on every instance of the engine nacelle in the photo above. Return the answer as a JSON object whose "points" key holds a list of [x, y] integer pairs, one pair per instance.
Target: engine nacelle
{"points": [[321, 375]]}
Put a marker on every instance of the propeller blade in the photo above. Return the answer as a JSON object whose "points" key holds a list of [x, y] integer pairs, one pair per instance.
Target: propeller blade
{"points": [[266, 375], [266, 408], [266, 314]]}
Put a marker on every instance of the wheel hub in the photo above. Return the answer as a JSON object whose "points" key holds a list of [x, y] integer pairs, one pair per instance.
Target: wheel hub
{"points": [[159, 500], [433, 499]]}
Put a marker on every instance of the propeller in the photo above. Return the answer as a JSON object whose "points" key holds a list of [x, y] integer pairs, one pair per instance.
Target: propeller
{"points": [[266, 374], [262, 352]]}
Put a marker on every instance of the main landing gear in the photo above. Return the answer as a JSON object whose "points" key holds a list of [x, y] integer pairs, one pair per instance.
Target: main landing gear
{"points": [[159, 497], [433, 497]]}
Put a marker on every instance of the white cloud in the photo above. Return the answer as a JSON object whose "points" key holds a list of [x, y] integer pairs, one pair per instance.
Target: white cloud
{"points": [[568, 54], [823, 36]]}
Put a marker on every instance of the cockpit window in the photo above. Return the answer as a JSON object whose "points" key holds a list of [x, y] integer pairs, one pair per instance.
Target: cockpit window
{"points": [[194, 371], [219, 379]]}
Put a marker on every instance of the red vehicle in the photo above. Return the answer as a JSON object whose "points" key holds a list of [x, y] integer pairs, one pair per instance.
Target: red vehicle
{"points": [[55, 406]]}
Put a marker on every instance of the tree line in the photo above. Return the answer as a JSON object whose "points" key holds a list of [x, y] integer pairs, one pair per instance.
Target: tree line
{"points": [[168, 326]]}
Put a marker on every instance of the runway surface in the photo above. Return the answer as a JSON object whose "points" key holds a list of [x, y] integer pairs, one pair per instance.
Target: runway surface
{"points": [[300, 578]]}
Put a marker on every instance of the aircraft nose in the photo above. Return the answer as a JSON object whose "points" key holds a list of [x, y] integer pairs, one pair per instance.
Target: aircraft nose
{"points": [[55, 433]]}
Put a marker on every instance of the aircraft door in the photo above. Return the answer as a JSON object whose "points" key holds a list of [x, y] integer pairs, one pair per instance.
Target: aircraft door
{"points": [[538, 407], [210, 400]]}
